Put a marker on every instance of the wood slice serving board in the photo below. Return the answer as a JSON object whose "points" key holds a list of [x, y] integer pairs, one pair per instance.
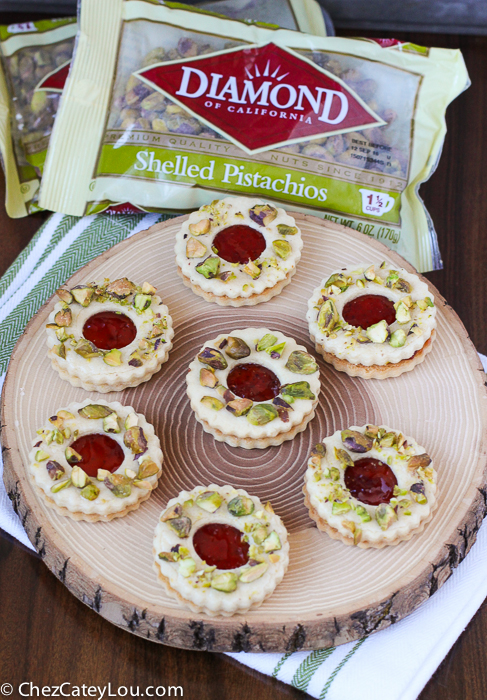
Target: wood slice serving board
{"points": [[331, 593]]}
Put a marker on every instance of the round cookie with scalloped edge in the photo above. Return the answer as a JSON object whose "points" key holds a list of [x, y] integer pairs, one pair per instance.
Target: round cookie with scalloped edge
{"points": [[234, 577], [370, 486], [130, 319], [238, 251], [67, 479], [253, 387], [403, 328]]}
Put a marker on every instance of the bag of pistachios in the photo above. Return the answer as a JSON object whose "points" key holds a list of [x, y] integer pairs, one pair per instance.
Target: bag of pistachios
{"points": [[167, 109], [36, 59], [35, 63]]}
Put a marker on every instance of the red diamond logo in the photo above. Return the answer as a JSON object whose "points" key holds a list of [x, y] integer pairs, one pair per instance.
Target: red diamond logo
{"points": [[55, 81], [261, 97]]}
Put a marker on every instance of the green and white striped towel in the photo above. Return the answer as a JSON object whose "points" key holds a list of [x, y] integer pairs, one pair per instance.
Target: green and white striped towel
{"points": [[395, 663]]}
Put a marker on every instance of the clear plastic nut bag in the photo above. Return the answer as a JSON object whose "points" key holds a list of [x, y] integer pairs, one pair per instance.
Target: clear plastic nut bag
{"points": [[183, 106], [35, 64]]}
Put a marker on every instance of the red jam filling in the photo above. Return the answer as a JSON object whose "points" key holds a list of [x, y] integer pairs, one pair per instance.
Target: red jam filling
{"points": [[109, 330], [252, 381], [368, 309], [221, 546], [239, 244], [370, 481], [98, 452]]}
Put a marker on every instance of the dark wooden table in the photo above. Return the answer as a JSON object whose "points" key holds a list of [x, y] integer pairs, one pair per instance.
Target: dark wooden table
{"points": [[48, 637]]}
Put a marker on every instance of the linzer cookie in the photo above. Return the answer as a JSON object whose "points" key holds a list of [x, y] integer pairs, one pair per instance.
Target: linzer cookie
{"points": [[95, 461], [372, 322], [370, 486], [238, 251], [253, 388], [219, 551], [188, 106], [107, 336]]}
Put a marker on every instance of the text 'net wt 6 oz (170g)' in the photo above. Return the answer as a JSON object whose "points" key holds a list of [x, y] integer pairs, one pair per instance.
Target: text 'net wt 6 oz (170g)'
{"points": [[167, 109]]}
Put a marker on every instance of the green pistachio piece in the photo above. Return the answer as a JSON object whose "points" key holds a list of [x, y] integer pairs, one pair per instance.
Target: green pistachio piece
{"points": [[385, 515], [195, 248], [372, 431], [254, 572], [378, 332], [239, 407], [135, 359], [72, 457], [263, 214], [272, 542], [209, 501], [64, 317], [340, 508], [175, 511], [236, 348], [181, 526], [266, 342], [168, 556], [262, 413], [213, 357], [55, 470], [398, 338], [301, 362], [285, 230], [225, 582], [240, 506], [111, 424], [60, 486], [142, 302], [187, 567], [147, 468], [148, 288], [275, 351], [201, 227], [252, 269], [212, 402], [60, 351], [90, 492], [259, 533], [158, 329], [79, 477], [403, 286], [417, 461], [83, 294], [131, 421], [61, 334], [402, 313], [334, 474], [65, 295], [135, 440], [369, 273], [87, 349], [121, 288], [337, 280], [95, 411], [388, 440], [210, 267], [119, 484], [298, 390], [363, 514], [41, 456], [282, 248], [343, 457], [355, 441], [328, 316], [113, 358], [392, 278], [208, 378]]}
